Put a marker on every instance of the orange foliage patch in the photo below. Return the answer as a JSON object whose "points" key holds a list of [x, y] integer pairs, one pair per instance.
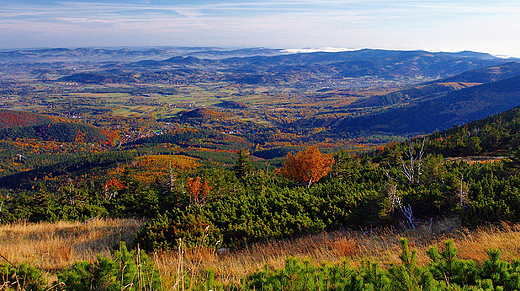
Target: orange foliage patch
{"points": [[149, 168], [308, 166], [199, 191]]}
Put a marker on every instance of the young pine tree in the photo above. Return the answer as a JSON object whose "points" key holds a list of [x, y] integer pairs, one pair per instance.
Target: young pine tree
{"points": [[243, 167]]}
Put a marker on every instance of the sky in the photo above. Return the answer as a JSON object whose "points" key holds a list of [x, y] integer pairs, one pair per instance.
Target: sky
{"points": [[490, 26]]}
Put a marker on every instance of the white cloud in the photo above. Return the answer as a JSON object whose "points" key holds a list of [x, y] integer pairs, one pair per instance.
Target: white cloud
{"points": [[404, 24]]}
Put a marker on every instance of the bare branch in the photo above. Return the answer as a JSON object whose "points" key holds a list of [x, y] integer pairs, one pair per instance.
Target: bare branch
{"points": [[420, 156], [407, 212], [414, 165], [463, 194]]}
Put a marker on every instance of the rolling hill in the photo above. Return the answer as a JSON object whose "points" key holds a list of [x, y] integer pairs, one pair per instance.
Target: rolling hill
{"points": [[28, 125], [438, 88], [454, 108], [60, 132], [270, 69], [12, 118]]}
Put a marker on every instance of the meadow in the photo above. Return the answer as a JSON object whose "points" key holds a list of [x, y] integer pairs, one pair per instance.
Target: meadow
{"points": [[52, 247]]}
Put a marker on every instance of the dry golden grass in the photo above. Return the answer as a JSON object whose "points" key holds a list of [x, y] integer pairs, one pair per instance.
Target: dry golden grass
{"points": [[54, 246], [376, 245]]}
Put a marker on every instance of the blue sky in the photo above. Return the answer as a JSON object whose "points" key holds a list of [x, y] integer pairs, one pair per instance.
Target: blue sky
{"points": [[491, 26]]}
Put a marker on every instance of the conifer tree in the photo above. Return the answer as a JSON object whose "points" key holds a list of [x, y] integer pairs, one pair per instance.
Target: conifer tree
{"points": [[243, 167]]}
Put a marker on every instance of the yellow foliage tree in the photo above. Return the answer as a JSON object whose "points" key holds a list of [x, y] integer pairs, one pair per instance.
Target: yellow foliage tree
{"points": [[308, 166]]}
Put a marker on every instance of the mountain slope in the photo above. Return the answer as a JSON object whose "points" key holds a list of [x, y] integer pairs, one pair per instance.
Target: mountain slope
{"points": [[486, 75], [455, 108], [349, 64], [12, 118], [494, 135], [441, 87], [60, 132]]}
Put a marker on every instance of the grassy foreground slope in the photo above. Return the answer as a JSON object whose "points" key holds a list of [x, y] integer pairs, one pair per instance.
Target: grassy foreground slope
{"points": [[53, 247]]}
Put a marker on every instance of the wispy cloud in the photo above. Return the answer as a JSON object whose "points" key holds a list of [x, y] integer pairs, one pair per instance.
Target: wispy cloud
{"points": [[280, 23]]}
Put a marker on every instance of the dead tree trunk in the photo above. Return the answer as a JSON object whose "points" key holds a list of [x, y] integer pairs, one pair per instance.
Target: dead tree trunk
{"points": [[411, 168]]}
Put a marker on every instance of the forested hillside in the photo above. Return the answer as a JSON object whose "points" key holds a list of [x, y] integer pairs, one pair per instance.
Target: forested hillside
{"points": [[212, 152], [60, 132], [11, 118], [454, 108]]}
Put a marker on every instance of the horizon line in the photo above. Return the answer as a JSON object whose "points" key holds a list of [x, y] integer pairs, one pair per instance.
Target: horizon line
{"points": [[289, 50]]}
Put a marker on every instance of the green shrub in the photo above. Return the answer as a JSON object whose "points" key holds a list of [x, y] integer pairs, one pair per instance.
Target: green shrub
{"points": [[191, 226], [128, 271], [23, 277], [445, 272]]}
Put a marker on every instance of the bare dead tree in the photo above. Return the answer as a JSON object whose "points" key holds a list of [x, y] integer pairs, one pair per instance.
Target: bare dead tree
{"points": [[408, 214], [21, 158], [463, 194], [411, 168], [393, 197], [169, 182], [71, 193], [405, 210]]}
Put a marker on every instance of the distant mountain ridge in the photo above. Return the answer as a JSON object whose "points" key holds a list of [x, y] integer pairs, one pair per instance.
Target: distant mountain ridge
{"points": [[374, 62], [443, 86], [127, 53], [454, 108], [470, 54], [162, 53], [316, 66]]}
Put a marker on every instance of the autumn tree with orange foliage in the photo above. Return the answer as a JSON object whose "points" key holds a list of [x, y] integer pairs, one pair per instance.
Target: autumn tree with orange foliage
{"points": [[111, 188], [308, 166], [198, 191]]}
